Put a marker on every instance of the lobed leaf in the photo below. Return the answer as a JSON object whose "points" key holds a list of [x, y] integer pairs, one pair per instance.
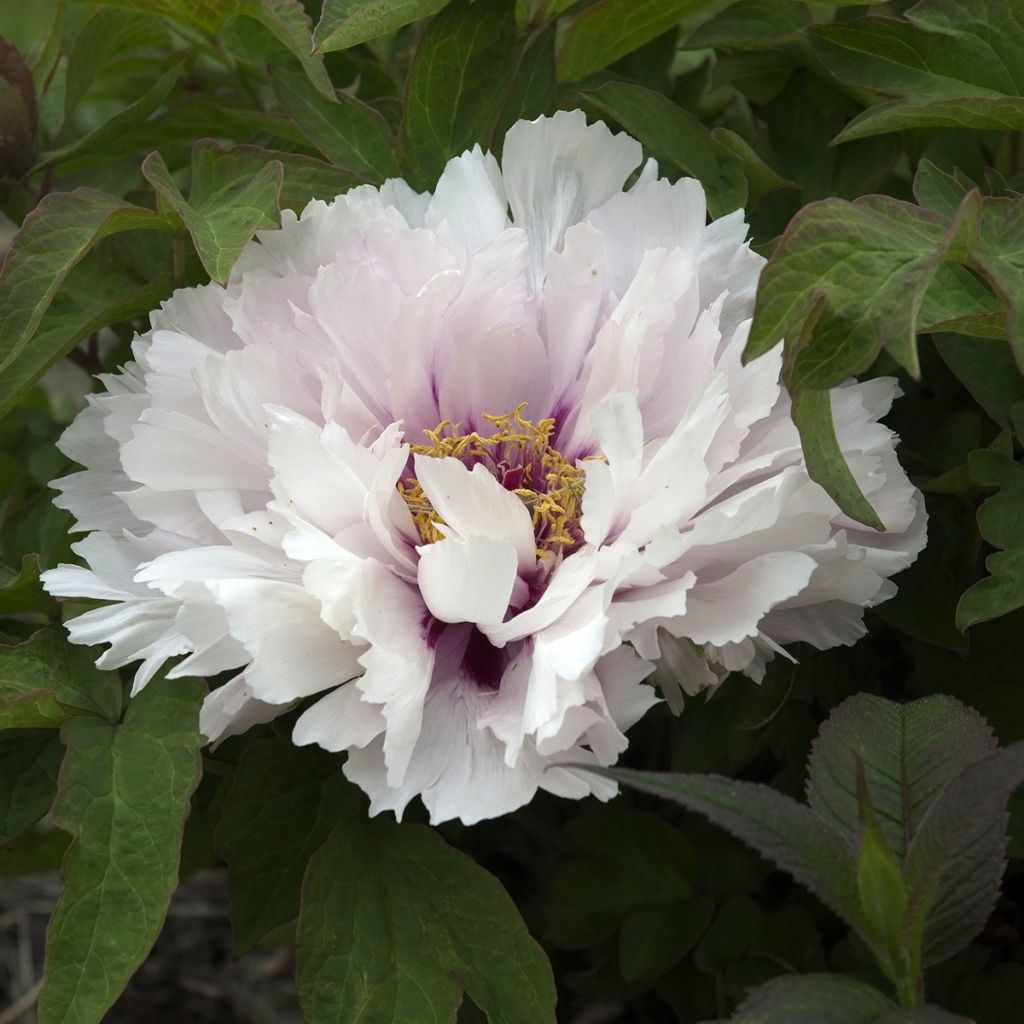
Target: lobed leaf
{"points": [[999, 256], [225, 207], [45, 679], [395, 923], [124, 795]]}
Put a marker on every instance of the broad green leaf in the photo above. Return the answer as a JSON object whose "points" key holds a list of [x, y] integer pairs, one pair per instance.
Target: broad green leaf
{"points": [[812, 414], [785, 832], [29, 762], [1001, 522], [897, 58], [1000, 257], [52, 239], [760, 177], [656, 936], [20, 591], [609, 29], [36, 850], [869, 262], [347, 131], [959, 301], [94, 298], [670, 133], [457, 84], [1003, 113], [57, 679], [47, 52], [291, 25], [618, 861], [987, 369], [908, 751], [283, 803], [98, 139], [305, 177], [395, 923], [18, 113], [207, 15], [108, 32], [956, 860], [124, 795], [345, 23], [225, 207], [813, 999], [532, 87], [748, 25]]}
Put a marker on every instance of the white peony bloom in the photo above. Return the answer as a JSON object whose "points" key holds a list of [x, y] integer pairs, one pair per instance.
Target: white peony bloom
{"points": [[450, 468]]}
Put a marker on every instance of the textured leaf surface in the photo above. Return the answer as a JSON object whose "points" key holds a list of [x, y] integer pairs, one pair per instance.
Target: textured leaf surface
{"points": [[987, 370], [124, 796], [225, 207], [609, 29], [282, 806], [346, 131], [909, 752], [52, 239], [1004, 113], [346, 23], [29, 762], [956, 860], [1000, 257], [813, 999], [786, 832], [871, 261], [395, 923], [457, 84], [45, 678]]}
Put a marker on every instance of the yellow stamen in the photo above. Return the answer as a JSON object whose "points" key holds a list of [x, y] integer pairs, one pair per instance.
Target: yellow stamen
{"points": [[549, 485]]}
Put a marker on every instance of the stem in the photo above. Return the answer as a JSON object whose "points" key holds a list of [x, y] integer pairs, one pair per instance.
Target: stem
{"points": [[910, 991], [178, 260]]}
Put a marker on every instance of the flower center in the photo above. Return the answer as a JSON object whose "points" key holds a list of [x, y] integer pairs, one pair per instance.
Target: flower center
{"points": [[520, 457]]}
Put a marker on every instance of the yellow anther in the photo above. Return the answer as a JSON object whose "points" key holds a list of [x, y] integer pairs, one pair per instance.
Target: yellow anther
{"points": [[549, 485]]}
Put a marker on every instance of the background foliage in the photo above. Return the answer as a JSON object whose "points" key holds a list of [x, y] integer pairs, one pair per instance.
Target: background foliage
{"points": [[878, 150]]}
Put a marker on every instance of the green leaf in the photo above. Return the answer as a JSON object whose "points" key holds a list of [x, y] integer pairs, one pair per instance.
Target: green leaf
{"points": [[785, 832], [656, 936], [870, 262], [283, 803], [748, 25], [956, 860], [619, 861], [345, 23], [922, 1015], [937, 190], [135, 113], [1001, 522], [53, 238], [908, 753], [346, 131], [207, 15], [18, 113], [305, 177], [45, 679], [958, 301], [124, 796], [1000, 257], [813, 999], [457, 85], [94, 297], [987, 370], [670, 133], [395, 923], [1004, 113], [609, 29], [288, 21], [106, 33], [812, 414], [532, 87], [226, 204], [29, 762], [883, 896], [761, 179]]}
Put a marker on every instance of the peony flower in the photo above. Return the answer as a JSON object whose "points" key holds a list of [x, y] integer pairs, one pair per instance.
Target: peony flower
{"points": [[451, 472]]}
